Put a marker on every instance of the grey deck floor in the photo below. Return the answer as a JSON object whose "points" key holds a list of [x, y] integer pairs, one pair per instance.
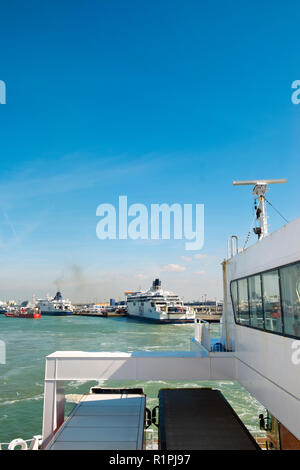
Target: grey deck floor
{"points": [[103, 422]]}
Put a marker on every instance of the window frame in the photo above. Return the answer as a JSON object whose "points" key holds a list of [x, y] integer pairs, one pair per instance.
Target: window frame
{"points": [[238, 296], [283, 333], [262, 301], [280, 300]]}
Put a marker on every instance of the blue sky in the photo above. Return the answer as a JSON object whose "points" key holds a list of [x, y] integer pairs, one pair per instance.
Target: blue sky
{"points": [[162, 101]]}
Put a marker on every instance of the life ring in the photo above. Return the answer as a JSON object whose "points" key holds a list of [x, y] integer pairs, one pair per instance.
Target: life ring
{"points": [[17, 442]]}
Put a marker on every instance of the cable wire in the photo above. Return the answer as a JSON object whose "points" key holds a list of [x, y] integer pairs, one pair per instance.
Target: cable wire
{"points": [[276, 210]]}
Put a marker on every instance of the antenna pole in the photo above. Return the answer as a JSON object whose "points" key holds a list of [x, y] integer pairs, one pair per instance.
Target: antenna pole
{"points": [[261, 211], [259, 190], [263, 217]]}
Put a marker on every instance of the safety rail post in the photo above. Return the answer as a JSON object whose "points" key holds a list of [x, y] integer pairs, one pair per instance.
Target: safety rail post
{"points": [[202, 333], [232, 246]]}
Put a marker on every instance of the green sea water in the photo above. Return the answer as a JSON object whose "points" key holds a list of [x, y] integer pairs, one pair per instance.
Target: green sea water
{"points": [[29, 341]]}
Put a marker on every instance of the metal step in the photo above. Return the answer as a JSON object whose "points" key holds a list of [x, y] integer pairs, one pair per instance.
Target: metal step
{"points": [[104, 421]]}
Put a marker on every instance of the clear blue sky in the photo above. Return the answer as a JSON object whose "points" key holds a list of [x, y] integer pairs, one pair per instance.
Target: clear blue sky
{"points": [[163, 101]]}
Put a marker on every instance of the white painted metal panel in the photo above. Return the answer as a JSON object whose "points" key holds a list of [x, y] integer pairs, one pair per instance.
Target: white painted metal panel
{"points": [[270, 355], [280, 403], [67, 369], [223, 366]]}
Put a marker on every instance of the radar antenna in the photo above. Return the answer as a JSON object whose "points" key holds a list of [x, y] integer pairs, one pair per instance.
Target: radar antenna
{"points": [[260, 187]]}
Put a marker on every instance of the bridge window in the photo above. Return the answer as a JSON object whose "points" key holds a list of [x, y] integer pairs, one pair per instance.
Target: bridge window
{"points": [[255, 302], [290, 288], [243, 302], [271, 300]]}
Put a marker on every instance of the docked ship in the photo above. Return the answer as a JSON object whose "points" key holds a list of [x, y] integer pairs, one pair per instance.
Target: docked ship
{"points": [[25, 312], [56, 306], [158, 305]]}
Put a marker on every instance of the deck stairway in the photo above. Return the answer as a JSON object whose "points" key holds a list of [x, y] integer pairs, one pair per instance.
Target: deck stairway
{"points": [[106, 419]]}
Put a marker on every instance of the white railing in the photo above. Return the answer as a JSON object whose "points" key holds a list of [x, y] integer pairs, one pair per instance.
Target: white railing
{"points": [[202, 333], [232, 246], [21, 444]]}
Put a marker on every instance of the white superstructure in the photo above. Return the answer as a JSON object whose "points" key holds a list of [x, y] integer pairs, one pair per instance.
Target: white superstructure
{"points": [[158, 305], [56, 306], [261, 320]]}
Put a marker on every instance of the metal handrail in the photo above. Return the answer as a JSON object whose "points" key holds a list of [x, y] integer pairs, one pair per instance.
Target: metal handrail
{"points": [[232, 247]]}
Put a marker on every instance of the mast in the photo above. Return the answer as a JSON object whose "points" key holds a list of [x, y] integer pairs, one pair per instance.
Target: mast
{"points": [[259, 190]]}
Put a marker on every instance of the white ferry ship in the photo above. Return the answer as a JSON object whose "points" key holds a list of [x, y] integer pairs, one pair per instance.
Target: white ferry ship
{"points": [[159, 306], [56, 306]]}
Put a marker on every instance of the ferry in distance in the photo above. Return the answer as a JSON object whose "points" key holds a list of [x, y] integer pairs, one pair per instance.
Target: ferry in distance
{"points": [[56, 306], [158, 306]]}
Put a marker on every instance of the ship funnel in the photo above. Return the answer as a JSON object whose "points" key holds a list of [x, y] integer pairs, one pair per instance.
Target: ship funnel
{"points": [[260, 187], [156, 284], [58, 296]]}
